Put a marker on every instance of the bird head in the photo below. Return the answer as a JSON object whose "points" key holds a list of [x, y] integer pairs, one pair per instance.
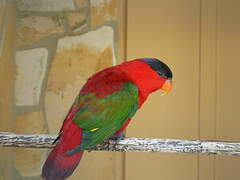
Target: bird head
{"points": [[163, 71]]}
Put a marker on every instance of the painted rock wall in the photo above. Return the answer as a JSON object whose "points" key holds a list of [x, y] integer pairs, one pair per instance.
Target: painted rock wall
{"points": [[59, 44]]}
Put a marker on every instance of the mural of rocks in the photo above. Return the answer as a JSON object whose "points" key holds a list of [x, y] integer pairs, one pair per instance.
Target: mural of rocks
{"points": [[34, 28], [59, 44], [28, 123], [103, 10], [30, 71], [80, 56]]}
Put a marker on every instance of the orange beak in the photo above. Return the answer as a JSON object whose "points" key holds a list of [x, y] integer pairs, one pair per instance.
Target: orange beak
{"points": [[167, 86]]}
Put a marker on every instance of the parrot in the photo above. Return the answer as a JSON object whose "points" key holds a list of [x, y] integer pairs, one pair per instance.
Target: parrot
{"points": [[103, 109]]}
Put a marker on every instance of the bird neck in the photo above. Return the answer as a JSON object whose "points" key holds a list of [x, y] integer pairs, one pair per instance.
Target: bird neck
{"points": [[146, 79]]}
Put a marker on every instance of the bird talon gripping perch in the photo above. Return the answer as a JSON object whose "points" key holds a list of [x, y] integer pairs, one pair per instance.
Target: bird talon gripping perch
{"points": [[104, 107]]}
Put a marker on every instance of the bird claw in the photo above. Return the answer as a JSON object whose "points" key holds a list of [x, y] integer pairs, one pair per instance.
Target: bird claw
{"points": [[118, 136]]}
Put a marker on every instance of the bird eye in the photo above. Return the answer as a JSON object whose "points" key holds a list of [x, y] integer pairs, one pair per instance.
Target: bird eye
{"points": [[161, 74]]}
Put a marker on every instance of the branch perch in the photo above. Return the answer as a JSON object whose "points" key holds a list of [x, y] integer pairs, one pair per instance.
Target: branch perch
{"points": [[129, 144]]}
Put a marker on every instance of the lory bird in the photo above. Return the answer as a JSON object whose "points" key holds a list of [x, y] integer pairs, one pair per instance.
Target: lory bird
{"points": [[103, 108]]}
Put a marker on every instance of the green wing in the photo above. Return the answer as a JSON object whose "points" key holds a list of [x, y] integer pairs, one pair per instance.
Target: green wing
{"points": [[100, 118]]}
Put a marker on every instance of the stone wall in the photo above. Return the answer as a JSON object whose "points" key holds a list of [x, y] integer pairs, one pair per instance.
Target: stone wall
{"points": [[58, 44]]}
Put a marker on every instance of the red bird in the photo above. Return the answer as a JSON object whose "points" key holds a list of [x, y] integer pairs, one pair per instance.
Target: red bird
{"points": [[103, 108]]}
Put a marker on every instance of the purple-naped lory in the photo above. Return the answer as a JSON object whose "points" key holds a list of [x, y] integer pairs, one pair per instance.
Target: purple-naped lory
{"points": [[103, 108]]}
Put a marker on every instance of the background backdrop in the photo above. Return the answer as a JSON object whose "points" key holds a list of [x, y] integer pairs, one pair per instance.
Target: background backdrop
{"points": [[48, 48]]}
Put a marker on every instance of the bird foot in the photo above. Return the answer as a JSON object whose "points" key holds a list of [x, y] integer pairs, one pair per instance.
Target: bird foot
{"points": [[118, 136]]}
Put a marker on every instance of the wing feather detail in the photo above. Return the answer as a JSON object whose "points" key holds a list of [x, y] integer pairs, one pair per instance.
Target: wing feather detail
{"points": [[100, 118]]}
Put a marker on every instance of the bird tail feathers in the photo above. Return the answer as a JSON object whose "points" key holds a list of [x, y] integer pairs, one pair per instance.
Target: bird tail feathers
{"points": [[59, 165]]}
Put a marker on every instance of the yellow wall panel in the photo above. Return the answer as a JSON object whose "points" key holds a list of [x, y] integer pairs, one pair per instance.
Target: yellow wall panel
{"points": [[228, 86], [168, 30], [200, 42], [6, 81], [208, 68]]}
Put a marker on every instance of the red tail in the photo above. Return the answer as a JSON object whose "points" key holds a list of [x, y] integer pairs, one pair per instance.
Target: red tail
{"points": [[58, 165]]}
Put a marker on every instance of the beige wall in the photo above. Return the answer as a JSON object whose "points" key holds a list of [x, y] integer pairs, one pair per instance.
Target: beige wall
{"points": [[227, 84], [200, 42], [199, 39]]}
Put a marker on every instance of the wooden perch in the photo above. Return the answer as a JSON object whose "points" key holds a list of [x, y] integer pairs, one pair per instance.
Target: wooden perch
{"points": [[129, 144]]}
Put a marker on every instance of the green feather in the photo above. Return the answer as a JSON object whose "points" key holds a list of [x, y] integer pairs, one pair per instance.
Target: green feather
{"points": [[100, 118]]}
